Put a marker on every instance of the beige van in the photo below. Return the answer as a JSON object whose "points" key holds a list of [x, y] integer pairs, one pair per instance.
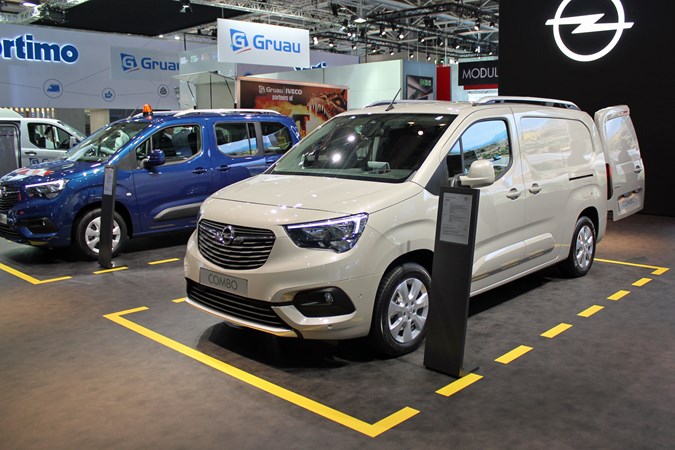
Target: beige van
{"points": [[335, 241]]}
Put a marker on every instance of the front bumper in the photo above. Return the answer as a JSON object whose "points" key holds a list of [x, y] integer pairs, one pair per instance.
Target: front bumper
{"points": [[289, 271]]}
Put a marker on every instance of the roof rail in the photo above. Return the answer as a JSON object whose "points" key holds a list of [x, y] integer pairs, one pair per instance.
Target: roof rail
{"points": [[403, 102], [527, 100], [195, 112]]}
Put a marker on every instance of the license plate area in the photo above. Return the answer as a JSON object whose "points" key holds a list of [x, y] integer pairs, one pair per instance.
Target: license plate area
{"points": [[223, 282], [629, 201]]}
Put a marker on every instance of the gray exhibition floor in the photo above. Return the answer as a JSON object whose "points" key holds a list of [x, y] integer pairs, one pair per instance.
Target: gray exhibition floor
{"points": [[83, 366]]}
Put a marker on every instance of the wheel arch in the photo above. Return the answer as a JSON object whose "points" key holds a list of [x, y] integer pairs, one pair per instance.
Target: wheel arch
{"points": [[119, 208]]}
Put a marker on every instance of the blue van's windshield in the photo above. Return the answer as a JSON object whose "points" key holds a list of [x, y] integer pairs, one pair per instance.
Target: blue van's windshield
{"points": [[105, 142], [376, 147]]}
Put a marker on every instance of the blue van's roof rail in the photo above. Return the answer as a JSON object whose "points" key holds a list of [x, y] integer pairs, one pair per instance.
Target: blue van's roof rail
{"points": [[194, 112]]}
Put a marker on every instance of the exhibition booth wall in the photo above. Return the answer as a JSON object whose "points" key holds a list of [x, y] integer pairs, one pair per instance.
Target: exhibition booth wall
{"points": [[598, 53]]}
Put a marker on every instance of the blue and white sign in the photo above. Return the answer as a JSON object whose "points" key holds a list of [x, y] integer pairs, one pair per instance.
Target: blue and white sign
{"points": [[255, 43], [141, 64], [58, 68]]}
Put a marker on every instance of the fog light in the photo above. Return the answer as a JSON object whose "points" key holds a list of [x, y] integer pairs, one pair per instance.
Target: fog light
{"points": [[323, 302]]}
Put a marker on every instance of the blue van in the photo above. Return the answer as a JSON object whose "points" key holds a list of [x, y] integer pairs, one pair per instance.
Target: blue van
{"points": [[167, 164]]}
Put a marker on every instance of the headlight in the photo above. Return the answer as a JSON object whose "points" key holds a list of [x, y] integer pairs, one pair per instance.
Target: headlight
{"points": [[49, 189], [338, 235]]}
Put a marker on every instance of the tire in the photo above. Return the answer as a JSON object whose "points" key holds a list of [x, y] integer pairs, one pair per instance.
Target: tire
{"points": [[401, 309], [582, 249], [88, 231]]}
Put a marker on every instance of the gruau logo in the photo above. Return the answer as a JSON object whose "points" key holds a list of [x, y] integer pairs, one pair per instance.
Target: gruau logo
{"points": [[239, 41], [589, 24]]}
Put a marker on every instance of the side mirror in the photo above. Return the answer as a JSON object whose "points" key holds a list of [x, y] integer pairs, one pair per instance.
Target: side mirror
{"points": [[155, 158], [481, 173], [72, 142]]}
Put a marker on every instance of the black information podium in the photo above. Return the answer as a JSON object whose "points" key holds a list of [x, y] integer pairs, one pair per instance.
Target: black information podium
{"points": [[451, 281], [107, 215]]}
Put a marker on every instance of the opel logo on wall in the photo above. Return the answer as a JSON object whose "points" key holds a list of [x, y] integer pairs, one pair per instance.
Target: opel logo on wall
{"points": [[588, 24]]}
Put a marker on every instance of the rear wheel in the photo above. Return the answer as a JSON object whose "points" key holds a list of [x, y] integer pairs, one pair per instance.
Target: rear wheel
{"points": [[582, 249], [401, 309], [88, 233]]}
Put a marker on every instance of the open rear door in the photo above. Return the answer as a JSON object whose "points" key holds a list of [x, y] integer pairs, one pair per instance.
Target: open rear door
{"points": [[627, 175]]}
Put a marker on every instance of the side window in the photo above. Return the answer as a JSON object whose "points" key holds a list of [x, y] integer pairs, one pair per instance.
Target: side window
{"points": [[550, 145], [178, 143], [483, 140], [236, 140], [276, 138], [43, 135]]}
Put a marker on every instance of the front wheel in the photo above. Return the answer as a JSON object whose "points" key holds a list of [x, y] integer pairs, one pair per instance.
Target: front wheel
{"points": [[582, 249], [401, 309], [88, 233]]}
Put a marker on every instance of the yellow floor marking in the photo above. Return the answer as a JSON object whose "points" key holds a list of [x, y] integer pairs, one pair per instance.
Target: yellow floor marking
{"points": [[556, 330], [657, 270], [618, 295], [590, 311], [368, 429], [642, 281], [179, 300], [458, 385], [163, 261], [28, 278], [513, 354], [114, 269]]}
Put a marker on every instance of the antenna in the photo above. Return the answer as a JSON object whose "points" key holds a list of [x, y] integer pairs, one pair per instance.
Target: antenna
{"points": [[391, 105]]}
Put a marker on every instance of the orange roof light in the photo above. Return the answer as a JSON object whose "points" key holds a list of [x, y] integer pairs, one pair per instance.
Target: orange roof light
{"points": [[147, 110]]}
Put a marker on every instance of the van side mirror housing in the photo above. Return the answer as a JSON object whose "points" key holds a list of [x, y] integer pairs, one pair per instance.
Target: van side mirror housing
{"points": [[481, 173], [154, 159]]}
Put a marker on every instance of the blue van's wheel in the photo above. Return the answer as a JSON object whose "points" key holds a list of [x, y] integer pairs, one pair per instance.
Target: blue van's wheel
{"points": [[401, 309], [88, 233]]}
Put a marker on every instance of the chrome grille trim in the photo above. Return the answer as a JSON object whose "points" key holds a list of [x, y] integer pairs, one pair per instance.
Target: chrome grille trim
{"points": [[234, 247], [8, 197]]}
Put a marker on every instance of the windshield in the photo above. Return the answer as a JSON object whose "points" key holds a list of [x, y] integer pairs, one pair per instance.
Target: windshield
{"points": [[378, 147], [105, 142]]}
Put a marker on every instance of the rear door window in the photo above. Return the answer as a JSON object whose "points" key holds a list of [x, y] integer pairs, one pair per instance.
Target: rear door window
{"points": [[236, 140]]}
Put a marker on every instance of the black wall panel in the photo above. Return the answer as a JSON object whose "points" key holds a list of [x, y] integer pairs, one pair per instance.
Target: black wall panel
{"points": [[635, 72]]}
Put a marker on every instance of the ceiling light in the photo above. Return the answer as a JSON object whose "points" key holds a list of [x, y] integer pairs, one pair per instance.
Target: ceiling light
{"points": [[358, 19], [316, 40], [331, 44], [401, 33], [383, 30], [477, 26], [29, 4], [354, 46], [421, 38], [411, 55], [428, 57], [391, 52]]}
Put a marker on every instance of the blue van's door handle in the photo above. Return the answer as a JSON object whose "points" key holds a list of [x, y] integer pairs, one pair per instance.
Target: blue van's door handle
{"points": [[199, 170], [223, 168], [270, 160]]}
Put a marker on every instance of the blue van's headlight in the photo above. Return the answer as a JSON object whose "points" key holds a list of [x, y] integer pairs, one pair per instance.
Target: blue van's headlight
{"points": [[338, 235], [49, 189]]}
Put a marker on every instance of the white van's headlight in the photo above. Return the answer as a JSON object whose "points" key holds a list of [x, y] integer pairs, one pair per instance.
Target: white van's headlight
{"points": [[338, 235], [49, 189]]}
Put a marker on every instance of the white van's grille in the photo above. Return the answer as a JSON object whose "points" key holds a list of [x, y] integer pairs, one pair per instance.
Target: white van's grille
{"points": [[234, 247]]}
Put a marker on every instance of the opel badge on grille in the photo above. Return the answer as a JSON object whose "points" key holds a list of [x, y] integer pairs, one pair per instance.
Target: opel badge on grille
{"points": [[225, 236]]}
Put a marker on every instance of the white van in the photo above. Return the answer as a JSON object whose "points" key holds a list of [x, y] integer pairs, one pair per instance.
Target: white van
{"points": [[335, 241], [41, 139]]}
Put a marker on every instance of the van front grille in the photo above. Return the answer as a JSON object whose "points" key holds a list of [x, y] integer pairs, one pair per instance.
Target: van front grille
{"points": [[233, 305], [234, 247], [8, 197]]}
